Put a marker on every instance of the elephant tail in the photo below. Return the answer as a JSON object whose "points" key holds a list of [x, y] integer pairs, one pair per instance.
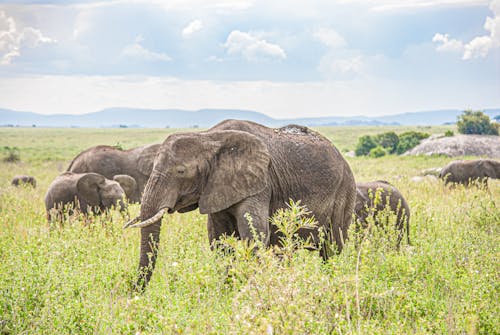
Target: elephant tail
{"points": [[408, 229]]}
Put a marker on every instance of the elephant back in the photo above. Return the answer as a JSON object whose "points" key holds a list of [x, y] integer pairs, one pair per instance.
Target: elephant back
{"points": [[102, 159]]}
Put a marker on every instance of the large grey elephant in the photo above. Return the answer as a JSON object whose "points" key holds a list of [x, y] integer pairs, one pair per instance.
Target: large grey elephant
{"points": [[240, 167], [84, 192], [110, 162], [467, 172], [373, 197], [24, 180]]}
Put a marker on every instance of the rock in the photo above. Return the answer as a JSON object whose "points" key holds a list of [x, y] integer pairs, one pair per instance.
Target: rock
{"points": [[431, 171], [459, 145], [424, 179]]}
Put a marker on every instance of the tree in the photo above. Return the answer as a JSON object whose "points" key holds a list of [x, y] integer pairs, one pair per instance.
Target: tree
{"points": [[476, 122], [389, 141], [365, 144]]}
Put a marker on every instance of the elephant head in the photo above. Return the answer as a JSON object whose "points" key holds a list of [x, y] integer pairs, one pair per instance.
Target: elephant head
{"points": [[128, 184], [98, 192], [212, 170]]}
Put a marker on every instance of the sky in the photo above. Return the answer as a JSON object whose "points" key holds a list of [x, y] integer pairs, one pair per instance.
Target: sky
{"points": [[285, 59]]}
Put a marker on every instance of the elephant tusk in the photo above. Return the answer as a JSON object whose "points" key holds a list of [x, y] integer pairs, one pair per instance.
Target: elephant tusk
{"points": [[149, 221], [131, 222]]}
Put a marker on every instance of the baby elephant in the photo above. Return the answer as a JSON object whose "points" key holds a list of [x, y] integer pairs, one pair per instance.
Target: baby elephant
{"points": [[468, 172], [82, 191], [368, 204], [24, 180]]}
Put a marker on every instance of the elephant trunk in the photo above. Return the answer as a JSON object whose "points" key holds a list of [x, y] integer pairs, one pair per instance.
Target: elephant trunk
{"points": [[151, 213], [150, 239]]}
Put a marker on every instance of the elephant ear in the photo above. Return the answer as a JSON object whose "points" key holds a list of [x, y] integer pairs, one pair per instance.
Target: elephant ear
{"points": [[128, 184], [88, 188], [361, 201], [146, 159], [239, 169]]}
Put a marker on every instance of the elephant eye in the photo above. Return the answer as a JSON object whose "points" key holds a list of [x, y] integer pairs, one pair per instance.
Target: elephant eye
{"points": [[181, 169]]}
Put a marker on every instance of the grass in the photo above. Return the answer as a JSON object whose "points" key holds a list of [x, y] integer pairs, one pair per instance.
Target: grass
{"points": [[76, 279]]}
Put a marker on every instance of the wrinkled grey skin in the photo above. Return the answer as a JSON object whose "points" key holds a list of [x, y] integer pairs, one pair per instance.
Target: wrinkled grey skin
{"points": [[24, 180], [466, 172], [240, 167], [110, 161], [82, 191], [389, 197]]}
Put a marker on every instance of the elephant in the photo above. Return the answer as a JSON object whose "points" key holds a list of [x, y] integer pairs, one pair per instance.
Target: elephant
{"points": [[468, 172], [24, 180], [110, 161], [82, 191], [369, 203], [240, 167]]}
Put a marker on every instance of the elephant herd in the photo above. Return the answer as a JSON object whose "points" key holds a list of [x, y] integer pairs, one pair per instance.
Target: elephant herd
{"points": [[234, 169]]}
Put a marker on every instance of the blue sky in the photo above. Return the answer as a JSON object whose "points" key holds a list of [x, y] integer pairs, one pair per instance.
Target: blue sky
{"points": [[282, 58]]}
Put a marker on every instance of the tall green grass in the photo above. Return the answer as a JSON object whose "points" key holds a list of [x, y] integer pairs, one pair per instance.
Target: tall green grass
{"points": [[77, 278]]}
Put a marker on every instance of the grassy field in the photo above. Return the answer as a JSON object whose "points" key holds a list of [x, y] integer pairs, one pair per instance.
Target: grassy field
{"points": [[77, 279]]}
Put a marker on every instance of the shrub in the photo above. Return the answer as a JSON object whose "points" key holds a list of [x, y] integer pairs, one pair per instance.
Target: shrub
{"points": [[449, 133], [365, 144], [377, 152], [476, 122], [12, 155], [388, 141], [409, 140]]}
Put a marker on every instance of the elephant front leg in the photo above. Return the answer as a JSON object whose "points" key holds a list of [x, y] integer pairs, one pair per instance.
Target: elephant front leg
{"points": [[252, 219]]}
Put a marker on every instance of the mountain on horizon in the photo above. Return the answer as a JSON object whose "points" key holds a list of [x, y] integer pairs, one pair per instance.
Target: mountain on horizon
{"points": [[205, 118]]}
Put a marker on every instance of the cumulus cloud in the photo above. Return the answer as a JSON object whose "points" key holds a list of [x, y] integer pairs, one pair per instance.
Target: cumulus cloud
{"points": [[447, 44], [251, 47], [192, 28], [480, 46], [137, 51], [13, 39], [329, 37], [342, 68]]}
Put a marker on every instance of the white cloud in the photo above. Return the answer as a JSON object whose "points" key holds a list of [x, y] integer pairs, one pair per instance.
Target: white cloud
{"points": [[329, 37], [13, 39], [394, 5], [192, 28], [480, 46], [137, 51], [342, 68], [251, 47], [447, 44]]}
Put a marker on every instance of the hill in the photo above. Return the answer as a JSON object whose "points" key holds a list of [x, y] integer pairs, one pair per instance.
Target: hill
{"points": [[177, 118]]}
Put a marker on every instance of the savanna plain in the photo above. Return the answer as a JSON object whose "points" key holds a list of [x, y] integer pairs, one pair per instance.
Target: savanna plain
{"points": [[77, 278]]}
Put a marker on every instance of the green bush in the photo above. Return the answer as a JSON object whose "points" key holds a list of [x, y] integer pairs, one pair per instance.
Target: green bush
{"points": [[12, 155], [476, 122], [365, 144], [377, 152], [409, 140], [449, 133], [389, 141]]}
